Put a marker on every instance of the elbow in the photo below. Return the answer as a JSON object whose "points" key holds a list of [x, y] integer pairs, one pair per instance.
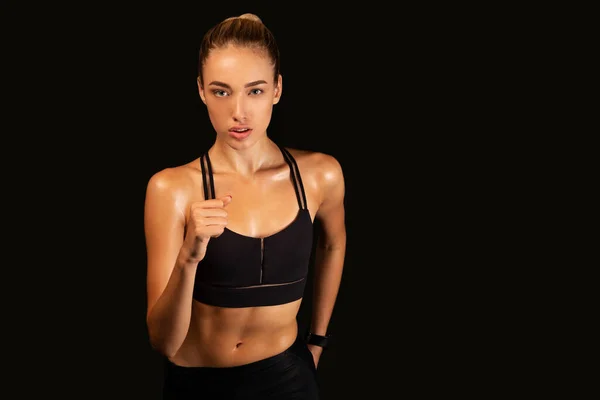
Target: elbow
{"points": [[161, 343], [163, 347], [165, 350], [332, 242], [332, 246]]}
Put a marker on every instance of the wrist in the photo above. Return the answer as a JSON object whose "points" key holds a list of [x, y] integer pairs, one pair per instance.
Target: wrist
{"points": [[322, 341], [185, 261]]}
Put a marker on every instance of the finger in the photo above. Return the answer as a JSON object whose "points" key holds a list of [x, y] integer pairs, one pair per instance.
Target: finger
{"points": [[208, 204], [214, 230], [226, 199], [213, 221], [210, 212], [220, 202]]}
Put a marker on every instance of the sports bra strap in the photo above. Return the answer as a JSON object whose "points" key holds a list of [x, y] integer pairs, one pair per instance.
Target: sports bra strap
{"points": [[207, 177], [296, 178], [209, 183]]}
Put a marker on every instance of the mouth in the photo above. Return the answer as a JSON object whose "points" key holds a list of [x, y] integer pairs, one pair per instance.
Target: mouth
{"points": [[239, 132]]}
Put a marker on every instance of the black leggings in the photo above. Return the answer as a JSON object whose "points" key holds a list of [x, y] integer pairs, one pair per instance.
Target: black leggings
{"points": [[290, 375]]}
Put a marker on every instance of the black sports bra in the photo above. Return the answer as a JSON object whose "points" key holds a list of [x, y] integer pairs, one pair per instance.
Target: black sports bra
{"points": [[245, 271]]}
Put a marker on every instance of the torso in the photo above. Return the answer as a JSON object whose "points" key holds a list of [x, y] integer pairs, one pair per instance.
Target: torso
{"points": [[221, 336]]}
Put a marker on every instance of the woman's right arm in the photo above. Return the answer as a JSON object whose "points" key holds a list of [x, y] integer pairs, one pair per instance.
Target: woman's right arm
{"points": [[170, 271]]}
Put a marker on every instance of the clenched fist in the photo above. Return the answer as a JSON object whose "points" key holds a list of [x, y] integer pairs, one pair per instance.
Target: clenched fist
{"points": [[207, 219]]}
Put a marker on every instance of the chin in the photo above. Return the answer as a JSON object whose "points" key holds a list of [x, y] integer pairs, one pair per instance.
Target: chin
{"points": [[242, 143]]}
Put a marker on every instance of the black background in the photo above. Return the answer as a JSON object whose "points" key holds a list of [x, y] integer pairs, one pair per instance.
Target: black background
{"points": [[112, 99]]}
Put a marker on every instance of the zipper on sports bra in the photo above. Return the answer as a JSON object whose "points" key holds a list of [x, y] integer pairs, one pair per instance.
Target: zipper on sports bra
{"points": [[262, 254]]}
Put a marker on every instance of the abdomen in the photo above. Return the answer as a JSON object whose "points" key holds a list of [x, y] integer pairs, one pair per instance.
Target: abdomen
{"points": [[222, 337]]}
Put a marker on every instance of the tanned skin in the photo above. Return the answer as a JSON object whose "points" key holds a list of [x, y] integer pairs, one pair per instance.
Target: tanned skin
{"points": [[254, 197]]}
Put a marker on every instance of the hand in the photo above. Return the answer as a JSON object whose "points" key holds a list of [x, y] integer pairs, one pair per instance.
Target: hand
{"points": [[316, 352], [207, 219]]}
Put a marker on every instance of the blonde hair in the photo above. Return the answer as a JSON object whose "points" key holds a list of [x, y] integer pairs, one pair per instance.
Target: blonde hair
{"points": [[250, 16], [245, 30]]}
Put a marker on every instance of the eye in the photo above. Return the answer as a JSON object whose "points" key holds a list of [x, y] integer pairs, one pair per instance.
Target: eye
{"points": [[256, 91], [219, 93]]}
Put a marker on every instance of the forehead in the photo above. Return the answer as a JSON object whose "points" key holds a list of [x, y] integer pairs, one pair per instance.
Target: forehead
{"points": [[237, 65]]}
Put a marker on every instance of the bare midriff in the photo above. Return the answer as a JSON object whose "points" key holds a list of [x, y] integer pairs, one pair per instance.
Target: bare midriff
{"points": [[227, 337]]}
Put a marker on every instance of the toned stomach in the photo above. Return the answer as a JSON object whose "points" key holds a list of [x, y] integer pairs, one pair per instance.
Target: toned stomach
{"points": [[226, 337]]}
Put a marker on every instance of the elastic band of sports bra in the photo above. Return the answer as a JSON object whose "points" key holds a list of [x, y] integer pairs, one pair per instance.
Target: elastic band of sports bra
{"points": [[252, 296]]}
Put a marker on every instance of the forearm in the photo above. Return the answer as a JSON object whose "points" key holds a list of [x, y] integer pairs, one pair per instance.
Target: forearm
{"points": [[329, 264], [169, 320]]}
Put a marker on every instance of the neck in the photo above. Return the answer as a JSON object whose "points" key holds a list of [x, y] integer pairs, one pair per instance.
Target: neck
{"points": [[246, 161]]}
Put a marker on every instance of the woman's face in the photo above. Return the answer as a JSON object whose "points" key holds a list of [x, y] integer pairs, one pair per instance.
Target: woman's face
{"points": [[239, 94]]}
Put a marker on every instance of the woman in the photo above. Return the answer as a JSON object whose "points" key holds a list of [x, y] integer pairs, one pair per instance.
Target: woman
{"points": [[229, 237]]}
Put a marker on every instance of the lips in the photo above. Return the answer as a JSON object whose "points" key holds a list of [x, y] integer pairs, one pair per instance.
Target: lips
{"points": [[240, 132], [239, 127]]}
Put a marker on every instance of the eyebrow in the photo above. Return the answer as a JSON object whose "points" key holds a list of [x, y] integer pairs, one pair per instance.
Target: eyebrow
{"points": [[249, 84]]}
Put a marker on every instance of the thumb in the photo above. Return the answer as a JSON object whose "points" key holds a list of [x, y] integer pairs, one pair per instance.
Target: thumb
{"points": [[226, 199]]}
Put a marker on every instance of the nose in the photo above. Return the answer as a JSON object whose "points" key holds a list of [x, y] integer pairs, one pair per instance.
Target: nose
{"points": [[240, 109]]}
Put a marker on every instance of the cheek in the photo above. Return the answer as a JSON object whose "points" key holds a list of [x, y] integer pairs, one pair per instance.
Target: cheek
{"points": [[265, 105], [217, 115], [216, 108]]}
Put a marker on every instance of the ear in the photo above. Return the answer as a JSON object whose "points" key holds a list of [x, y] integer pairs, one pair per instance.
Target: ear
{"points": [[278, 89], [201, 90]]}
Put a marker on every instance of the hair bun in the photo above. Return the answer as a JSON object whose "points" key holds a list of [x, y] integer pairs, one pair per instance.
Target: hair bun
{"points": [[250, 16]]}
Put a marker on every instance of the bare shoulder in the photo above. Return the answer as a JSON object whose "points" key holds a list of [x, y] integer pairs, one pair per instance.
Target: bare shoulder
{"points": [[169, 192], [173, 180], [323, 180], [322, 167]]}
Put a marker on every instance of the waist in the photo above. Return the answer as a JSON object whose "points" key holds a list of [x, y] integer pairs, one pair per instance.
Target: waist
{"points": [[233, 339]]}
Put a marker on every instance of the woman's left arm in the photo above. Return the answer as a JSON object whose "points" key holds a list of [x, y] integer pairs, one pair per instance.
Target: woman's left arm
{"points": [[331, 247]]}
